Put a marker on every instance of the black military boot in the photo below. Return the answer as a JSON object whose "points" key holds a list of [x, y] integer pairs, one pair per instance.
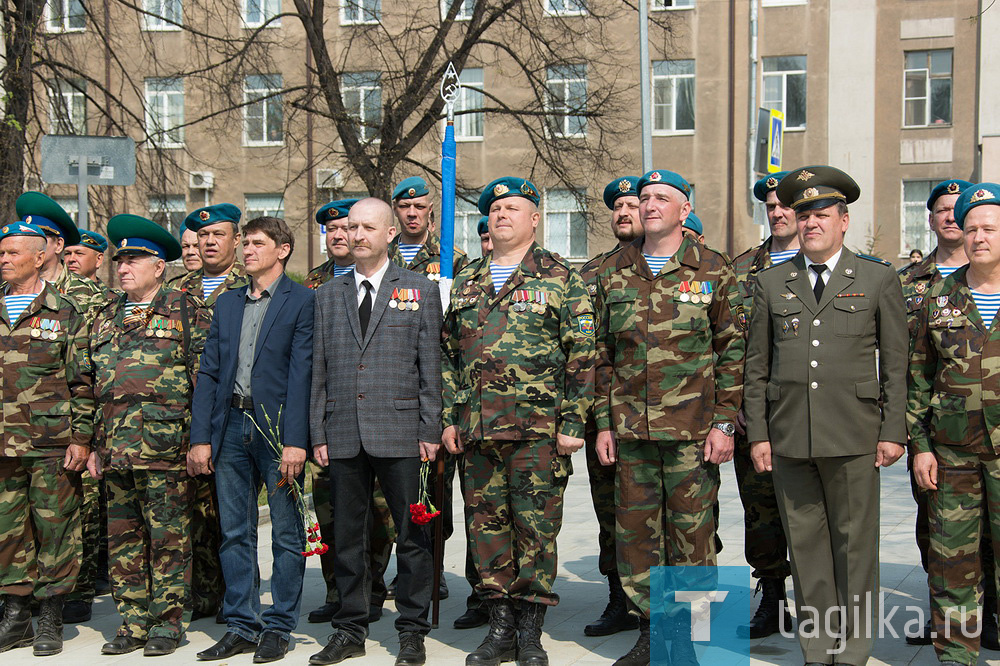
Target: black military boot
{"points": [[529, 635], [15, 627], [615, 617], [500, 644], [989, 638], [681, 646], [639, 654], [771, 614], [49, 639]]}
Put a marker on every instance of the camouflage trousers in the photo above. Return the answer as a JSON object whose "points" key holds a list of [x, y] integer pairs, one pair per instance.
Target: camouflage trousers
{"points": [[39, 527], [664, 498], [765, 546], [513, 508], [149, 547], [382, 531], [207, 584], [93, 522], [968, 495], [602, 494]]}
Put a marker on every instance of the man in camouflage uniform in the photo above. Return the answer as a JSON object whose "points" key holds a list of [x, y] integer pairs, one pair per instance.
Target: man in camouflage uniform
{"points": [[144, 348], [952, 412], [669, 377], [517, 364], [765, 546], [87, 257], [47, 405], [218, 233], [190, 254], [621, 197]]}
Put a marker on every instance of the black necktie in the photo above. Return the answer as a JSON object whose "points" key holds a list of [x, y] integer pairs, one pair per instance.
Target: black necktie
{"points": [[365, 309], [818, 287]]}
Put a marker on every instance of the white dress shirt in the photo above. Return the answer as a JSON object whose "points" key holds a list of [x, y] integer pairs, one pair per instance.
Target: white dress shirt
{"points": [[830, 264], [375, 280]]}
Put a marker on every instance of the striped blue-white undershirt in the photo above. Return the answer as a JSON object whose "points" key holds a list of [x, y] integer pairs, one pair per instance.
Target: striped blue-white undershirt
{"points": [[210, 284], [987, 304], [778, 257], [409, 251], [17, 304], [500, 274], [945, 271], [131, 304], [655, 264], [342, 270]]}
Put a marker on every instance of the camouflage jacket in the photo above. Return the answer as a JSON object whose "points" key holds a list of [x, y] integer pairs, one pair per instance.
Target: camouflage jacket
{"points": [[427, 262], [144, 378], [747, 265], [320, 275], [191, 283], [954, 388], [517, 369], [916, 280], [89, 295], [596, 268], [667, 367], [47, 397]]}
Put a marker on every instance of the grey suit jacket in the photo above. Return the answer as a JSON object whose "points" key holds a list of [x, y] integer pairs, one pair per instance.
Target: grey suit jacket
{"points": [[380, 393]]}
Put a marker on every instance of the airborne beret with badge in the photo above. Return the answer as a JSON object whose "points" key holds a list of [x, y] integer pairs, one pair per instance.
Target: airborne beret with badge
{"points": [[43, 211], [410, 188], [694, 224], [92, 240], [483, 227], [664, 177], [767, 184], [620, 187], [21, 229], [508, 186], [814, 187], [953, 186], [335, 210], [980, 194], [209, 215], [135, 235]]}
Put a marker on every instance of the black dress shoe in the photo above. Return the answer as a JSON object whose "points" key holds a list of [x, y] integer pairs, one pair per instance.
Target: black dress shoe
{"points": [[442, 589], [390, 590], [230, 646], [324, 613], [76, 611], [159, 646], [122, 645], [340, 647], [472, 618], [923, 638], [411, 649], [272, 647]]}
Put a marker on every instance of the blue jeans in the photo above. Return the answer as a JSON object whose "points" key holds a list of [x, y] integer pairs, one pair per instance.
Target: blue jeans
{"points": [[244, 461]]}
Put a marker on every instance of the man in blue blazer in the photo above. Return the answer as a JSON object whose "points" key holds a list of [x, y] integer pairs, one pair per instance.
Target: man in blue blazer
{"points": [[257, 362]]}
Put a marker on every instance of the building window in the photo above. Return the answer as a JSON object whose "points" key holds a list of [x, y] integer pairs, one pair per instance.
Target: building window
{"points": [[782, 3], [68, 106], [258, 12], [465, 8], [162, 15], [165, 112], [927, 88], [565, 224], [261, 205], [567, 100], [915, 233], [65, 16], [168, 211], [362, 93], [360, 12], [785, 88], [469, 126], [673, 96], [72, 206], [565, 7], [263, 117], [467, 226], [672, 4]]}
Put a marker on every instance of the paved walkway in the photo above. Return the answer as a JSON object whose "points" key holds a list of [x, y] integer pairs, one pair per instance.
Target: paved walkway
{"points": [[580, 585]]}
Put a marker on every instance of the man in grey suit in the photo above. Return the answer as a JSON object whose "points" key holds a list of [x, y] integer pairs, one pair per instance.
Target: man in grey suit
{"points": [[822, 415], [375, 412]]}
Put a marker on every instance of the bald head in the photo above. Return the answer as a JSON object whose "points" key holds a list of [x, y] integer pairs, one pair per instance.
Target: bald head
{"points": [[370, 228], [373, 210]]}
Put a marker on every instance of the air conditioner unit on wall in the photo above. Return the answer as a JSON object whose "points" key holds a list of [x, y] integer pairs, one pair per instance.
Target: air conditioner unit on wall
{"points": [[329, 179], [201, 180]]}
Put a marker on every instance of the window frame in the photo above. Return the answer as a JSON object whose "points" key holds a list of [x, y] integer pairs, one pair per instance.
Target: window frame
{"points": [[467, 220], [363, 89], [265, 18], [674, 80], [580, 209], [784, 74], [462, 120], [77, 90], [360, 6], [158, 21], [565, 116], [659, 6], [549, 11], [163, 102], [59, 24], [461, 15], [168, 205], [928, 96], [273, 95], [251, 212], [915, 204]]}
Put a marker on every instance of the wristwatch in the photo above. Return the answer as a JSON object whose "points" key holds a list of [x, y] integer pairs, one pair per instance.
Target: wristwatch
{"points": [[728, 429]]}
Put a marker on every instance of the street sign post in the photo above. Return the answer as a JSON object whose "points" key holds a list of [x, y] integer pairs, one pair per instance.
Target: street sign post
{"points": [[87, 160]]}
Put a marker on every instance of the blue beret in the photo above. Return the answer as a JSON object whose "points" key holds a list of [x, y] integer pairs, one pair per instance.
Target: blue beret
{"points": [[694, 224], [133, 234], [664, 177], [209, 215], [621, 187], [954, 186], [483, 226], [43, 211], [410, 188], [815, 187], [21, 229], [93, 240], [335, 210], [508, 186], [767, 184], [975, 195]]}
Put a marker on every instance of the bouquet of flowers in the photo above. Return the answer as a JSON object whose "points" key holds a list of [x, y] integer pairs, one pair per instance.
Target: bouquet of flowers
{"points": [[424, 512], [314, 542]]}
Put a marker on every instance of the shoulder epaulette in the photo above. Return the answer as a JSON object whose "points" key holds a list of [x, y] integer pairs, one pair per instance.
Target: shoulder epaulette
{"points": [[470, 267], [877, 260]]}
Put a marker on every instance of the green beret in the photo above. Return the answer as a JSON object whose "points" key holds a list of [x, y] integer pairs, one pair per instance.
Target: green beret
{"points": [[664, 177], [508, 186], [694, 224], [21, 229], [483, 227], [92, 240], [975, 195], [209, 215], [766, 184], [42, 211], [410, 188], [136, 235], [335, 210], [954, 186], [815, 187], [621, 187]]}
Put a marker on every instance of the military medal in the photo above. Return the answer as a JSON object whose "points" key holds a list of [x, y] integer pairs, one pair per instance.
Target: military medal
{"points": [[35, 331], [695, 289], [53, 333], [434, 272], [921, 287], [784, 326], [519, 305], [918, 300], [934, 315], [415, 305], [684, 288], [942, 301], [795, 326], [946, 312], [392, 301], [706, 290]]}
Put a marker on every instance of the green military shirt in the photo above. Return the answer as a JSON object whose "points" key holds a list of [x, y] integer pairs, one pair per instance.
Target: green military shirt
{"points": [[46, 393], [427, 261], [916, 280], [143, 380], [321, 274], [954, 388], [518, 365], [747, 265], [90, 295], [191, 283], [596, 268], [667, 366]]}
